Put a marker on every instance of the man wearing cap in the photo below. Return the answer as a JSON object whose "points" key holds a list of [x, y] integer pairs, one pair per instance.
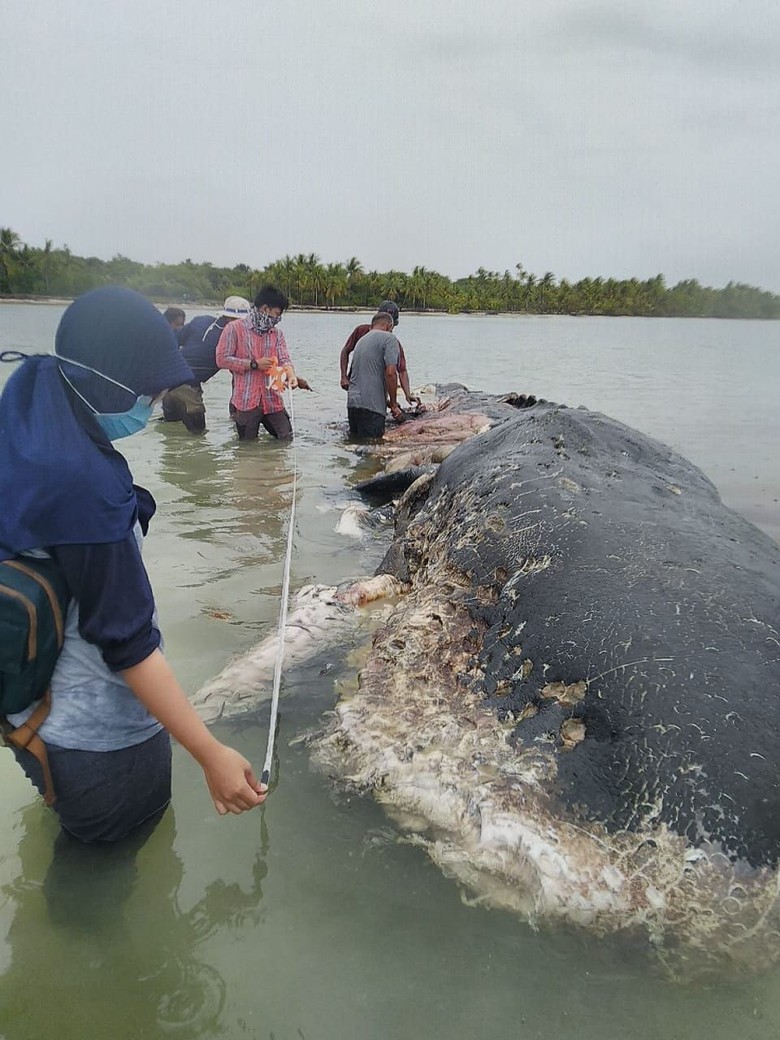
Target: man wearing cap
{"points": [[198, 341], [387, 307]]}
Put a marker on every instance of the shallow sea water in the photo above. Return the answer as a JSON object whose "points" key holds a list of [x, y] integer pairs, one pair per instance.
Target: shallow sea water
{"points": [[310, 919]]}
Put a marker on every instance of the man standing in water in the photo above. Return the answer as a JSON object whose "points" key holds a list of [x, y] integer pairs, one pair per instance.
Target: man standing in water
{"points": [[198, 341], [373, 379], [175, 317], [387, 307], [249, 349]]}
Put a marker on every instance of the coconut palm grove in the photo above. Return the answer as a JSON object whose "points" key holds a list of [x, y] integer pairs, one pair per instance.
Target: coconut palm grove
{"points": [[28, 271]]}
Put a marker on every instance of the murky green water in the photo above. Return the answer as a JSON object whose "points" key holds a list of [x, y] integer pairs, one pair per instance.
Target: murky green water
{"points": [[308, 919]]}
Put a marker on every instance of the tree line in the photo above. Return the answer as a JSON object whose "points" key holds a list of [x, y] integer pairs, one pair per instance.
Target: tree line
{"points": [[308, 282]]}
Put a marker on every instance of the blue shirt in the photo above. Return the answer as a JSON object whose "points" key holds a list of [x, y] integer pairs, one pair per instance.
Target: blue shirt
{"points": [[198, 341], [111, 625]]}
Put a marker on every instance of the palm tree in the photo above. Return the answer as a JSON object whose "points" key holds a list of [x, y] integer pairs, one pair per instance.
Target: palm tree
{"points": [[301, 275], [353, 267], [420, 285], [354, 272], [287, 265], [9, 246], [48, 264], [334, 282], [371, 288], [563, 303], [546, 282], [315, 276], [507, 290], [256, 280]]}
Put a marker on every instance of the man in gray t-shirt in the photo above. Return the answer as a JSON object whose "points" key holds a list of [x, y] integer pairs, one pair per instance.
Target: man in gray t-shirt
{"points": [[373, 378]]}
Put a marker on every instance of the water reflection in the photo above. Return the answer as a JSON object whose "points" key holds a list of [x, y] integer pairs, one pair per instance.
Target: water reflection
{"points": [[234, 489], [116, 937]]}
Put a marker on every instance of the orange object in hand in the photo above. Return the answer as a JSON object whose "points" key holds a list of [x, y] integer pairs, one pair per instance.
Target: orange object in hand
{"points": [[276, 377]]}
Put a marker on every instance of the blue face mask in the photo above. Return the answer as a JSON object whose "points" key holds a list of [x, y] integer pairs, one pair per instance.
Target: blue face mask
{"points": [[114, 424], [125, 424]]}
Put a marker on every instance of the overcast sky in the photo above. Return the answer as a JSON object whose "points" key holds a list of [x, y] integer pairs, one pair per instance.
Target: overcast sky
{"points": [[612, 138]]}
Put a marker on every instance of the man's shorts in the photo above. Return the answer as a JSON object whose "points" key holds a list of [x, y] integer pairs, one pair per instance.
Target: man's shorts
{"points": [[365, 423], [185, 404]]}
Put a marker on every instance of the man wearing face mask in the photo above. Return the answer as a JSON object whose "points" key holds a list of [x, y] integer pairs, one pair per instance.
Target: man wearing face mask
{"points": [[68, 494], [250, 349]]}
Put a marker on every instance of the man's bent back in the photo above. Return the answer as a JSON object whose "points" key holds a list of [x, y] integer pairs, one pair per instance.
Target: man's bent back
{"points": [[373, 378]]}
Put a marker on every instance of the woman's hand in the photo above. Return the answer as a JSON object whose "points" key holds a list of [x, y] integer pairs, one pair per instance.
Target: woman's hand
{"points": [[232, 784]]}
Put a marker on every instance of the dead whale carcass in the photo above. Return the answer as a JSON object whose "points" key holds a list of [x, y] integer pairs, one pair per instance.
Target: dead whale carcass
{"points": [[578, 701], [322, 615]]}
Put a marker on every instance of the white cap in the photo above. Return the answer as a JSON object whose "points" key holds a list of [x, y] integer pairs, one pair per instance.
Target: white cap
{"points": [[236, 307]]}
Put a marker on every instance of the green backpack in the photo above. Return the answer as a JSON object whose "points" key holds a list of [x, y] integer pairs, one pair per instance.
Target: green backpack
{"points": [[33, 608]]}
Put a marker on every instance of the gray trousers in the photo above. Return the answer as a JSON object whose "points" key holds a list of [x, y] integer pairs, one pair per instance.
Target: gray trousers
{"points": [[248, 423]]}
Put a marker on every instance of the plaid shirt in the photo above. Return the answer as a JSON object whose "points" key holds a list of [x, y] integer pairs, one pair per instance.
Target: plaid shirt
{"points": [[238, 344]]}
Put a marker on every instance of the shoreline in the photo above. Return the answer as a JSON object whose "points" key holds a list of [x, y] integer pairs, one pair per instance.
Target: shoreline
{"points": [[201, 305]]}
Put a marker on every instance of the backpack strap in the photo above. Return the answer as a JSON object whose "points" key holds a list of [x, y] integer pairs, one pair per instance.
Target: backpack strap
{"points": [[25, 737], [56, 613]]}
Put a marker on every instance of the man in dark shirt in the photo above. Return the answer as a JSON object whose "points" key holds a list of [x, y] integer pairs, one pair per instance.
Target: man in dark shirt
{"points": [[373, 379], [175, 317], [198, 342], [388, 307]]}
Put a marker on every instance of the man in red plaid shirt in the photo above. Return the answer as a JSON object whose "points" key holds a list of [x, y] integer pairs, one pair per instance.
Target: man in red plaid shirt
{"points": [[248, 349]]}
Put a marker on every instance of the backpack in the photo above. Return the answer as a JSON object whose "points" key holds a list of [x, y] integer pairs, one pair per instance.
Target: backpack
{"points": [[33, 606]]}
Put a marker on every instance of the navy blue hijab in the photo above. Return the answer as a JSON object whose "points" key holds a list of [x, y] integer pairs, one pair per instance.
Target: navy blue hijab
{"points": [[61, 481]]}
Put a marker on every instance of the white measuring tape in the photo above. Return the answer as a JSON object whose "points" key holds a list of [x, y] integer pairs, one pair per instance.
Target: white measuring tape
{"points": [[269, 754]]}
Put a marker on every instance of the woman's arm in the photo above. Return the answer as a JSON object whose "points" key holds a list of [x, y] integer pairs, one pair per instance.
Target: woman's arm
{"points": [[116, 609], [231, 782], [116, 605]]}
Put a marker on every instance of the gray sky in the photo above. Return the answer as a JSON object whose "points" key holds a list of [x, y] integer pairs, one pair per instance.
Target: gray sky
{"points": [[616, 138]]}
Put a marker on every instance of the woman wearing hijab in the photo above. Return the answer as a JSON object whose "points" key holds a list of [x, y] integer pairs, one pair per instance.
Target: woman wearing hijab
{"points": [[68, 493]]}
